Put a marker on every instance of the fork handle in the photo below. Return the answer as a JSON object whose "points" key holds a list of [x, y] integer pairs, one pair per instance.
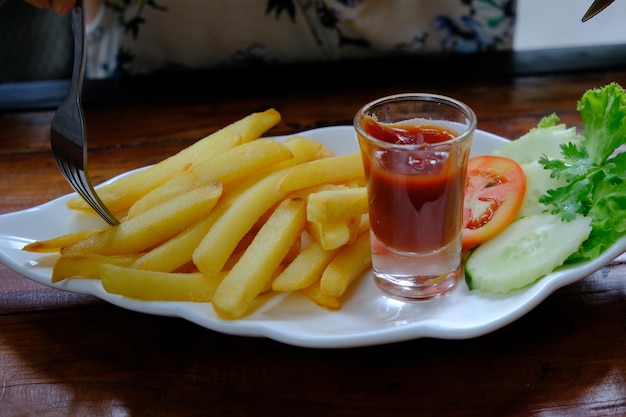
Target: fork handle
{"points": [[595, 8], [78, 31]]}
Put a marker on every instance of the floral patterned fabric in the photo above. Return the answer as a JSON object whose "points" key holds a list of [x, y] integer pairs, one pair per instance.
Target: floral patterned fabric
{"points": [[140, 36]]}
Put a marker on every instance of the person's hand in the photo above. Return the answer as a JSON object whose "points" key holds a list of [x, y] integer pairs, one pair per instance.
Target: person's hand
{"points": [[57, 6]]}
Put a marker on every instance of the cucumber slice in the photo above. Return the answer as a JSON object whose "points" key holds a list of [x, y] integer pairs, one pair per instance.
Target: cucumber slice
{"points": [[538, 182], [528, 249], [538, 142]]}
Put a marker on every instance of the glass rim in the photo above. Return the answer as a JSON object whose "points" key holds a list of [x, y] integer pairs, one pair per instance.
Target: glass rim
{"points": [[426, 97]]}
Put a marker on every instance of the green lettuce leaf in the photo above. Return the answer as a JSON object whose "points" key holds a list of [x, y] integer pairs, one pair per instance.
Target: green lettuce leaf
{"points": [[603, 112]]}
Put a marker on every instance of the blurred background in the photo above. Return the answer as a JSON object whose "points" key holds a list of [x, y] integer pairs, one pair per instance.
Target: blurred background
{"points": [[557, 23], [36, 44]]}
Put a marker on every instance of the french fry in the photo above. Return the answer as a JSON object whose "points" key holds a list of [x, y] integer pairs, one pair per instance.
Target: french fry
{"points": [[119, 195], [87, 266], [123, 193], [305, 269], [187, 268], [303, 150], [150, 228], [232, 260], [254, 125], [349, 263], [293, 252], [327, 206], [268, 285], [56, 243], [244, 211], [179, 250], [246, 159], [223, 221], [224, 235], [250, 274], [324, 152], [306, 192], [364, 223], [228, 167], [334, 169], [331, 235], [158, 286], [313, 293]]}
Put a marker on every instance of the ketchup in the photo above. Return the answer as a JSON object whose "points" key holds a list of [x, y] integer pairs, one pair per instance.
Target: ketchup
{"points": [[407, 134], [416, 197]]}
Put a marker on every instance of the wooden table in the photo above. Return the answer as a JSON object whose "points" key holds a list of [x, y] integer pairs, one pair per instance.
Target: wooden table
{"points": [[67, 354]]}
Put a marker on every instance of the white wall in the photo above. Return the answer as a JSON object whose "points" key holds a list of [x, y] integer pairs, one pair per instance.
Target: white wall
{"points": [[558, 23]]}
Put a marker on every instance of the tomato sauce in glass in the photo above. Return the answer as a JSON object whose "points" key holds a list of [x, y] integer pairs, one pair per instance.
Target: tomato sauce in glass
{"points": [[416, 196]]}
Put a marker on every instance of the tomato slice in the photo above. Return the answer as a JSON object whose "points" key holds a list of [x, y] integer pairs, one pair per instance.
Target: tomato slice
{"points": [[494, 192]]}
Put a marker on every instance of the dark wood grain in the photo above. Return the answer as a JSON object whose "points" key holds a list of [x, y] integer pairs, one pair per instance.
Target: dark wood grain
{"points": [[68, 354]]}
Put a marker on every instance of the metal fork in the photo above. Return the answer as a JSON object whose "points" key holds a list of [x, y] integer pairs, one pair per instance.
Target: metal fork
{"points": [[595, 8], [67, 131]]}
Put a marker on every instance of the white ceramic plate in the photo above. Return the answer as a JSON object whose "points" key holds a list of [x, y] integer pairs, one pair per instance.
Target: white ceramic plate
{"points": [[367, 317]]}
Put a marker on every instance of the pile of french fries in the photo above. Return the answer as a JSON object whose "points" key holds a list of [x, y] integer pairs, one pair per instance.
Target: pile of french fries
{"points": [[228, 219]]}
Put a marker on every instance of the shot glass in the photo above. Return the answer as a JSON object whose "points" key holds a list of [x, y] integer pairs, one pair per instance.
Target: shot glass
{"points": [[415, 148]]}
